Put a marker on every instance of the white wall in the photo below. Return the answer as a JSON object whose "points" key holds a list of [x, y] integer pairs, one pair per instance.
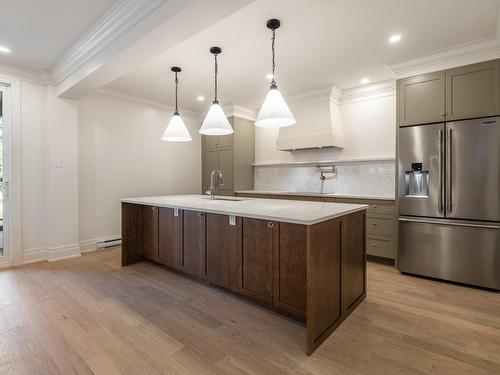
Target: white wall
{"points": [[34, 167], [368, 126], [121, 155], [49, 194]]}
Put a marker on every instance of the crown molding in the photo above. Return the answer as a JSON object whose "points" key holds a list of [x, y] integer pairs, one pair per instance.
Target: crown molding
{"points": [[145, 102], [22, 73], [331, 93], [368, 92], [241, 112], [465, 54], [113, 24]]}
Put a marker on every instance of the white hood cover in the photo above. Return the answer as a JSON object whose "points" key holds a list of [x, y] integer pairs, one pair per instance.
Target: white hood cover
{"points": [[318, 122]]}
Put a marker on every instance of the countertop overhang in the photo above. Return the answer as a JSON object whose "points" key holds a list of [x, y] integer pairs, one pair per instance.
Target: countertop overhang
{"points": [[297, 212]]}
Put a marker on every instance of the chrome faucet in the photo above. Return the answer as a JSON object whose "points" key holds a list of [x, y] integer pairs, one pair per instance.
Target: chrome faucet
{"points": [[213, 184]]}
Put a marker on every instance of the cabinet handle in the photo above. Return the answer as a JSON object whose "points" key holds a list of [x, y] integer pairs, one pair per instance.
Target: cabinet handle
{"points": [[270, 224], [200, 214], [374, 206], [374, 224], [374, 245], [444, 114]]}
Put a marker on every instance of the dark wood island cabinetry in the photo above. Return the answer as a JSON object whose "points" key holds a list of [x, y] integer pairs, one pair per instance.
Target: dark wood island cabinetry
{"points": [[315, 273]]}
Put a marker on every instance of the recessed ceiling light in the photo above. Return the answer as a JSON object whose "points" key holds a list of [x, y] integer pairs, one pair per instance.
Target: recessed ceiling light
{"points": [[4, 49], [200, 98], [395, 38], [365, 80], [269, 76]]}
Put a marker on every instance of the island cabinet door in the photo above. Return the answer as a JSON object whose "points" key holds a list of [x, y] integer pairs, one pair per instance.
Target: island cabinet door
{"points": [[290, 270], [255, 259], [215, 267], [353, 260], [193, 243], [169, 236], [150, 232], [131, 233]]}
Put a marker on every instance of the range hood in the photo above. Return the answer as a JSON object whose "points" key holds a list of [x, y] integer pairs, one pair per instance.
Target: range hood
{"points": [[318, 122]]}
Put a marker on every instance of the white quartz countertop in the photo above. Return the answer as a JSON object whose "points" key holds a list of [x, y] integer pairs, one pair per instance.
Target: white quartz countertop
{"points": [[314, 194], [298, 212]]}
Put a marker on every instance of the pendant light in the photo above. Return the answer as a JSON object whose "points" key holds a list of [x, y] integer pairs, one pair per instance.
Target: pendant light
{"points": [[216, 122], [274, 113], [176, 130]]}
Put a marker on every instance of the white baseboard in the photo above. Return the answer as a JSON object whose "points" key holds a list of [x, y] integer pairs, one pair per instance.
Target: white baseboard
{"points": [[88, 246], [63, 252], [51, 254], [34, 255]]}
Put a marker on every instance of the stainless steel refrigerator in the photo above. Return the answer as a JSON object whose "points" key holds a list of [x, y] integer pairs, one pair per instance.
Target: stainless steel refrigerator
{"points": [[449, 207]]}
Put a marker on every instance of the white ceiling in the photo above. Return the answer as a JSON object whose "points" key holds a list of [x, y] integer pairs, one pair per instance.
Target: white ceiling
{"points": [[320, 42], [39, 31]]}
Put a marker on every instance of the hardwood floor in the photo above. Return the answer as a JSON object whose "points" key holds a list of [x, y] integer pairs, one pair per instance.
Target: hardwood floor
{"points": [[89, 315]]}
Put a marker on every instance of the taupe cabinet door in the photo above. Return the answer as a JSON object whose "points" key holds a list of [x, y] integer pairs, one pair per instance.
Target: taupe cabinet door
{"points": [[422, 99], [210, 163], [473, 91], [218, 154], [225, 164]]}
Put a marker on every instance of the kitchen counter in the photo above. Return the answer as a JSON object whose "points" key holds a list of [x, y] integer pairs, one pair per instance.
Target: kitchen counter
{"points": [[314, 194], [306, 260], [297, 212]]}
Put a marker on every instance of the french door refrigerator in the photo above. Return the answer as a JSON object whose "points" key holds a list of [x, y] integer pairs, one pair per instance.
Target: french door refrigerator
{"points": [[449, 207]]}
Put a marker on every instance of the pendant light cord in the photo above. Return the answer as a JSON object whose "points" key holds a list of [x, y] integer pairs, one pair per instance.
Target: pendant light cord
{"points": [[215, 78], [176, 93], [273, 82]]}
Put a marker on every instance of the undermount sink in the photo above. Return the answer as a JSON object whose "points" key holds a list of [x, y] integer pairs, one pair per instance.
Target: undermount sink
{"points": [[225, 199]]}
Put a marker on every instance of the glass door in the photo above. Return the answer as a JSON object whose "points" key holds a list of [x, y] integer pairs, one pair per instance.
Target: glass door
{"points": [[4, 157]]}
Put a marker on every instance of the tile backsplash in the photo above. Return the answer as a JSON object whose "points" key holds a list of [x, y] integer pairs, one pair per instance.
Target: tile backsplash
{"points": [[371, 178]]}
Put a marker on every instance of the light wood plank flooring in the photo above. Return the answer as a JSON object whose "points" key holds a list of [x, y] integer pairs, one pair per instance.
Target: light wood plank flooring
{"points": [[89, 315]]}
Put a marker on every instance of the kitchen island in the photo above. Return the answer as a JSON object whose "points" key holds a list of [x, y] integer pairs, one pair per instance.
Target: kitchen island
{"points": [[306, 260]]}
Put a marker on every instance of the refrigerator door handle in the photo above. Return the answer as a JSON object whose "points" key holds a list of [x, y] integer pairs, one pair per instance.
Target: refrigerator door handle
{"points": [[441, 171], [448, 172], [454, 223]]}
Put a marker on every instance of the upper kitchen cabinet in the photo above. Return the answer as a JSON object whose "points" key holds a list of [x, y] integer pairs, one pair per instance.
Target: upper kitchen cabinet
{"points": [[455, 94], [473, 91], [233, 155], [421, 99]]}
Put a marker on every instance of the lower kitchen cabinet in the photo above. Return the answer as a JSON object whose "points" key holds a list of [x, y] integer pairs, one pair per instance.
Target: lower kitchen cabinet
{"points": [[215, 262], [255, 259], [150, 232], [193, 244], [169, 236]]}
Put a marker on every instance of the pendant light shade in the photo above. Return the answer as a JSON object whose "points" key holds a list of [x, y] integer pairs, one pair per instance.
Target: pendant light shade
{"points": [[215, 122], [274, 112], [176, 130]]}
